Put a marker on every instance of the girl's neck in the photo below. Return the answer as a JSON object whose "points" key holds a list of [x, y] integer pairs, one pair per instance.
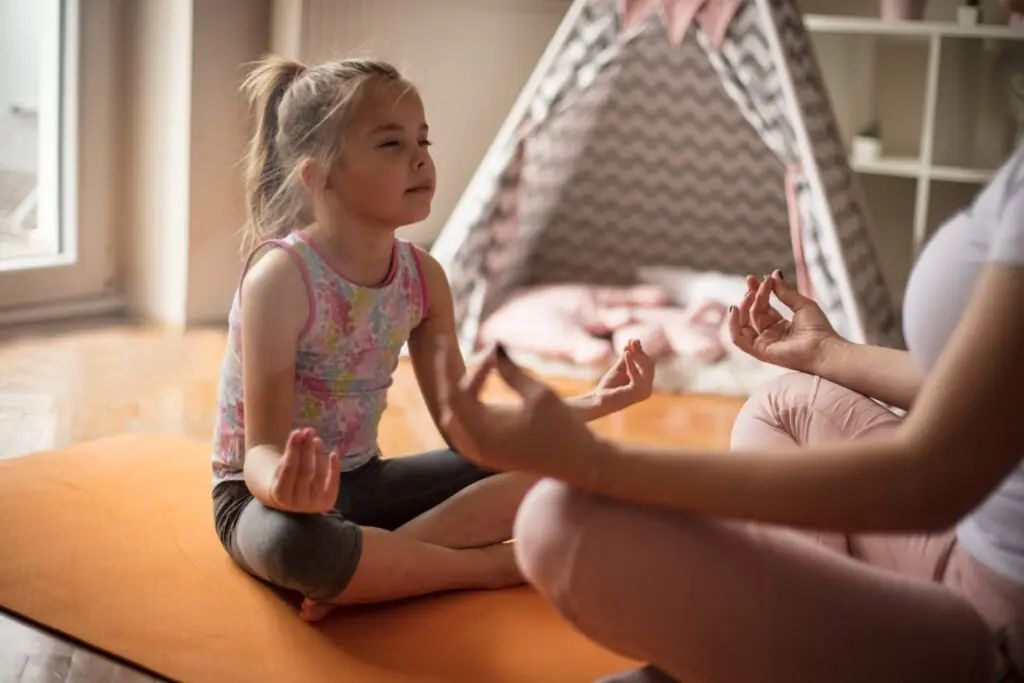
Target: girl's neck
{"points": [[361, 257]]}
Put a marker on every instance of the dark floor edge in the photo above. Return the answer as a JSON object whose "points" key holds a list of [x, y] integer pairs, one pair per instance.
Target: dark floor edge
{"points": [[78, 642]]}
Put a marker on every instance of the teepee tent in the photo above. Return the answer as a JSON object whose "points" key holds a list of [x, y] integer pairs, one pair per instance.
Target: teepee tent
{"points": [[685, 133]]}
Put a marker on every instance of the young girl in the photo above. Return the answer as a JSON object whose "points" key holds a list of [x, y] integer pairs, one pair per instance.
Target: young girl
{"points": [[302, 498]]}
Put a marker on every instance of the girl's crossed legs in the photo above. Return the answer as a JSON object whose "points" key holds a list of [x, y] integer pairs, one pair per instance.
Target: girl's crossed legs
{"points": [[728, 602], [402, 527]]}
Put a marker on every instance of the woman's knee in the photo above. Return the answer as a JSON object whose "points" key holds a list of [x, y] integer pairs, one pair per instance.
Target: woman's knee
{"points": [[315, 555], [772, 407], [548, 527]]}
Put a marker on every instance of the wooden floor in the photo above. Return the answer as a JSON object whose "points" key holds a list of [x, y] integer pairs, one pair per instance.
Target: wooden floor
{"points": [[65, 383]]}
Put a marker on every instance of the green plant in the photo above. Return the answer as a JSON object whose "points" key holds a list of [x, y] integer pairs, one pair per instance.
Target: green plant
{"points": [[872, 130], [972, 3]]}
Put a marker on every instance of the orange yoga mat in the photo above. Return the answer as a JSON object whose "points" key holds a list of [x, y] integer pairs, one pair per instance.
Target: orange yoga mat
{"points": [[111, 542]]}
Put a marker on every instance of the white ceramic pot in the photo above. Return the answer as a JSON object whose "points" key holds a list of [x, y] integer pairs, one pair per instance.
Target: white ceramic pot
{"points": [[967, 16], [866, 150]]}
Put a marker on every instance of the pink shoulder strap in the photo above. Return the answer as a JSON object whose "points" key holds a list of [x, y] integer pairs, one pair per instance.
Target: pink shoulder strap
{"points": [[424, 292], [291, 251]]}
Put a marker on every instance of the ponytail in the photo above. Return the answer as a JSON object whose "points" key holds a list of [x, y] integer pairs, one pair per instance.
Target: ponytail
{"points": [[265, 174]]}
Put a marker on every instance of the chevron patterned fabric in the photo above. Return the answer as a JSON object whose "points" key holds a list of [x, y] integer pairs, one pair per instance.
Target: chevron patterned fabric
{"points": [[635, 152], [849, 247]]}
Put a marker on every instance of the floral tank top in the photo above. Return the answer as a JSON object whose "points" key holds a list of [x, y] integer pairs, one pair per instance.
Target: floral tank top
{"points": [[346, 357]]}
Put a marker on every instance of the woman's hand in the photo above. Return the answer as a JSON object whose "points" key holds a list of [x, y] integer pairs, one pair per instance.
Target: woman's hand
{"points": [[759, 330], [542, 435], [305, 480], [630, 380]]}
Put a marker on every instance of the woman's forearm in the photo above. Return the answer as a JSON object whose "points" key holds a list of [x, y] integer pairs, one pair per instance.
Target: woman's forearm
{"points": [[845, 486], [888, 375]]}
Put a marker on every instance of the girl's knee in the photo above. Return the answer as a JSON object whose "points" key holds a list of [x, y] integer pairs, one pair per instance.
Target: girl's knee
{"points": [[548, 526], [315, 555]]}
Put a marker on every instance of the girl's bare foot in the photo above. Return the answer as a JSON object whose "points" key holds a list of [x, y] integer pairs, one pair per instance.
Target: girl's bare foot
{"points": [[505, 572], [312, 611]]}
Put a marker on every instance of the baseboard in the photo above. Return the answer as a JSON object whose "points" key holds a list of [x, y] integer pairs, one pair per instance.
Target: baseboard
{"points": [[64, 310]]}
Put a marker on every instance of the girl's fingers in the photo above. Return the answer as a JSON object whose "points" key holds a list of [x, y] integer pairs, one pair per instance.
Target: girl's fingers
{"points": [[632, 371], [329, 485], [320, 469], [288, 468], [307, 467]]}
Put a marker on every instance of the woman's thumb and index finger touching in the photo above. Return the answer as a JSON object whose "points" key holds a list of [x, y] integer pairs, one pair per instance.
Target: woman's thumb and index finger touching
{"points": [[789, 296]]}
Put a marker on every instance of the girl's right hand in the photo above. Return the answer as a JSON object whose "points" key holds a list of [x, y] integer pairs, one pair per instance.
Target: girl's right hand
{"points": [[305, 480], [759, 330]]}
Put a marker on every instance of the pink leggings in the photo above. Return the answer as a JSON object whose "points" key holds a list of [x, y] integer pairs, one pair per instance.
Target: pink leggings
{"points": [[723, 602]]}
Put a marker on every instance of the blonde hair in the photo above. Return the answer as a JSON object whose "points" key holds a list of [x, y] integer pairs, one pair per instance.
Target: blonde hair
{"points": [[300, 112]]}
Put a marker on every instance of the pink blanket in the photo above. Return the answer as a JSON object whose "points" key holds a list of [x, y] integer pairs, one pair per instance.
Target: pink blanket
{"points": [[588, 324]]}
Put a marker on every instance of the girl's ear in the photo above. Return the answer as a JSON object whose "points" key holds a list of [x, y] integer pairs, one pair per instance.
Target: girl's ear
{"points": [[310, 176]]}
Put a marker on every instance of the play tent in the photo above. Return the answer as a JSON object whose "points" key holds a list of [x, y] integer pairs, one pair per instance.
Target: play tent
{"points": [[678, 133]]}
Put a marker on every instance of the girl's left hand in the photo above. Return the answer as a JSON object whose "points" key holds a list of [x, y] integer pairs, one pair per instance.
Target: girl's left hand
{"points": [[542, 435], [631, 379]]}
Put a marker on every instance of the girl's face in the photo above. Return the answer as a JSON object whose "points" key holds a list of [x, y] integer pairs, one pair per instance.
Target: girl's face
{"points": [[385, 176]]}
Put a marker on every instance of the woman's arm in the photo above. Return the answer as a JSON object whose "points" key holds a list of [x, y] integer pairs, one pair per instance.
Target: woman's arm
{"points": [[888, 375], [275, 309], [440, 324], [964, 436]]}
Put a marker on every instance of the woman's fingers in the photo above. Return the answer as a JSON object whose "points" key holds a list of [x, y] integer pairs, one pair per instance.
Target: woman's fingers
{"points": [[762, 314], [522, 383], [740, 331], [459, 405], [475, 382], [744, 307]]}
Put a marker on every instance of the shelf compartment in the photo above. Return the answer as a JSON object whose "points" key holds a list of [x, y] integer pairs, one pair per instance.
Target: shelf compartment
{"points": [[826, 23], [896, 167], [875, 80], [892, 202]]}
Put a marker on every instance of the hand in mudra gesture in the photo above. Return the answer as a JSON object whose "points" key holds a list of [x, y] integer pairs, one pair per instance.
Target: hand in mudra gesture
{"points": [[541, 434], [758, 329], [306, 480]]}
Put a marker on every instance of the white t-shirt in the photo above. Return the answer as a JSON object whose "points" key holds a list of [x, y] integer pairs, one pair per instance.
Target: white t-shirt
{"points": [[991, 229]]}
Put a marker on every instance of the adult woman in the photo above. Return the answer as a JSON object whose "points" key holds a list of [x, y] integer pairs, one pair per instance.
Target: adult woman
{"points": [[834, 541]]}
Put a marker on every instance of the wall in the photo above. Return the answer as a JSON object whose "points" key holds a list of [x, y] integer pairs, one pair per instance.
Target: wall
{"points": [[20, 37], [228, 35], [157, 213], [183, 206], [469, 58], [184, 202]]}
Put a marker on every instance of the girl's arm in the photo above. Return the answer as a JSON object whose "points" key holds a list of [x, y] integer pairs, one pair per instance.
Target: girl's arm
{"points": [[440, 324], [275, 309], [889, 375], [963, 437]]}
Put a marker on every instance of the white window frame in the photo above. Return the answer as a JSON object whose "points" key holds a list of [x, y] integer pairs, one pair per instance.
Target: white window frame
{"points": [[85, 58]]}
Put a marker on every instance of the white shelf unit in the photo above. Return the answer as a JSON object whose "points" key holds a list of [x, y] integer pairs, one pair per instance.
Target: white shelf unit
{"points": [[939, 95]]}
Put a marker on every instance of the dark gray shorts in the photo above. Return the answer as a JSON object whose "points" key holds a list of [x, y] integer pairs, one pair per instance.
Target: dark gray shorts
{"points": [[317, 555]]}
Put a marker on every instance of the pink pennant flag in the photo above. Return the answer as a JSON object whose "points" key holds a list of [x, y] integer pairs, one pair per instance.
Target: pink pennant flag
{"points": [[714, 18], [677, 15], [634, 12]]}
